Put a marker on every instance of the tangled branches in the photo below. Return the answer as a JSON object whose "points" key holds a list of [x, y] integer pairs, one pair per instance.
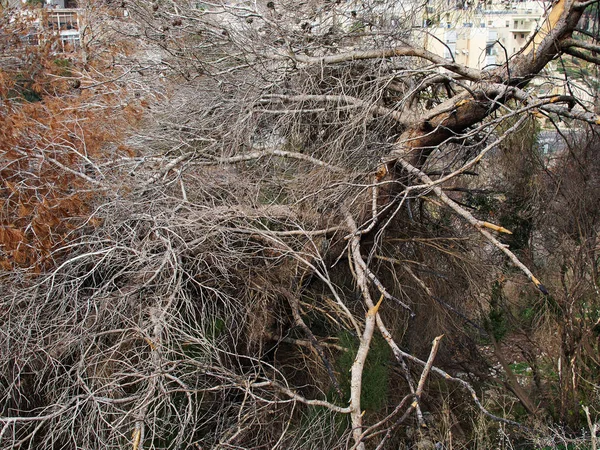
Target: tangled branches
{"points": [[269, 264]]}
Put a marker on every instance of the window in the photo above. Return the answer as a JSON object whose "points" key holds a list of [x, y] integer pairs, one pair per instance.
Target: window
{"points": [[522, 35], [449, 54], [451, 37], [32, 38], [507, 23], [62, 20]]}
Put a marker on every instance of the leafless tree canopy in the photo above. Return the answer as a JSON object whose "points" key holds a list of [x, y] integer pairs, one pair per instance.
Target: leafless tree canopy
{"points": [[312, 201]]}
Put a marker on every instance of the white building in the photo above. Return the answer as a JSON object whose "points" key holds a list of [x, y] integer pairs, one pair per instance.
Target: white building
{"points": [[485, 35], [62, 4], [55, 18]]}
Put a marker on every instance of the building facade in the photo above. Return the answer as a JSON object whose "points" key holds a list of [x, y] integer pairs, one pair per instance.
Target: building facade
{"points": [[485, 35]]}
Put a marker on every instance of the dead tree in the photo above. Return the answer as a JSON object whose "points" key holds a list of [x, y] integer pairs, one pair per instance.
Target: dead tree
{"points": [[293, 199]]}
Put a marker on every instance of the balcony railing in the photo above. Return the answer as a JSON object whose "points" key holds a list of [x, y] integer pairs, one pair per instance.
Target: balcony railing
{"points": [[61, 19], [65, 23]]}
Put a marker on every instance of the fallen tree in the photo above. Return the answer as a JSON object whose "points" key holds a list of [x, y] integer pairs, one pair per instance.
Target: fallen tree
{"points": [[298, 228]]}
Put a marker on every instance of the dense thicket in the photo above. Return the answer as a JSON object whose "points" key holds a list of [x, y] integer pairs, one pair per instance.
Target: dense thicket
{"points": [[307, 200]]}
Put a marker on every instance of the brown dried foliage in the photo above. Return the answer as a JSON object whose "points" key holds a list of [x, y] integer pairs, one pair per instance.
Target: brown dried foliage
{"points": [[52, 129]]}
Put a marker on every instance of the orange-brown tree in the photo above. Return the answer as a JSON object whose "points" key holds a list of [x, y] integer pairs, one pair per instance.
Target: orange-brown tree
{"points": [[56, 129]]}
